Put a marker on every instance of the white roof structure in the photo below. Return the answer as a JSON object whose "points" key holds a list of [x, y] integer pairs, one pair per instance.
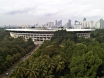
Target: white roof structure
{"points": [[80, 30], [29, 30], [39, 35], [48, 30]]}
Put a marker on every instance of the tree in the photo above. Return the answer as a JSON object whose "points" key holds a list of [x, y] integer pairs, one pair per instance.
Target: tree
{"points": [[83, 66]]}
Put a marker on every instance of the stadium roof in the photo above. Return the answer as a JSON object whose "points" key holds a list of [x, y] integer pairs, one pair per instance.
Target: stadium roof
{"points": [[48, 30]]}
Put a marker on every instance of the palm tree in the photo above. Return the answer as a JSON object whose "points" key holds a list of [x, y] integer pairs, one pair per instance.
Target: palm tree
{"points": [[19, 72], [31, 72]]}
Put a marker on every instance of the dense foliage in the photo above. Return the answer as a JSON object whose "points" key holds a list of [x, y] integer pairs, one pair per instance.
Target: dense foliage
{"points": [[66, 56], [11, 50]]}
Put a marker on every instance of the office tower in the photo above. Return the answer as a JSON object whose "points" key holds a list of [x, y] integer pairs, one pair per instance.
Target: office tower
{"points": [[50, 24], [88, 24], [91, 24], [76, 21], [69, 24], [77, 25], [101, 23], [37, 24], [84, 19], [98, 25], [55, 22], [59, 23], [85, 24], [82, 24]]}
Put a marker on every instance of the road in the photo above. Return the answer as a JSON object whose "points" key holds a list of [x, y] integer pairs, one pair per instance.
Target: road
{"points": [[10, 70]]}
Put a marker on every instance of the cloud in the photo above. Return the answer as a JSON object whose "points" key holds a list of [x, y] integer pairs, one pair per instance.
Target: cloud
{"points": [[20, 11], [94, 13], [42, 10], [51, 14]]}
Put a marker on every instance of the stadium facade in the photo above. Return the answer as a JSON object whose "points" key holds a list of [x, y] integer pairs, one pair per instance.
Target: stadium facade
{"points": [[39, 35]]}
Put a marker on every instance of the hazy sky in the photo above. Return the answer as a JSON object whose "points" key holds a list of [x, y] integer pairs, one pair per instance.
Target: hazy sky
{"points": [[19, 12]]}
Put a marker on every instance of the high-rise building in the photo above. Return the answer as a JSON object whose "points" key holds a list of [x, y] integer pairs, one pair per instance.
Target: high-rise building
{"points": [[98, 25], [59, 23], [76, 21], [101, 23], [69, 24], [84, 19], [50, 24], [86, 24], [77, 25], [55, 22], [37, 24], [91, 24]]}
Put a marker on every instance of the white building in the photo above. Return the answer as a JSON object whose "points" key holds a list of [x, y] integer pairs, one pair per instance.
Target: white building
{"points": [[81, 32], [50, 24], [101, 23], [39, 35], [91, 24], [98, 25], [85, 24], [77, 25], [69, 24]]}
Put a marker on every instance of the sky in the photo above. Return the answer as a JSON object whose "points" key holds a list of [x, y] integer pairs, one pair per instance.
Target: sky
{"points": [[29, 12]]}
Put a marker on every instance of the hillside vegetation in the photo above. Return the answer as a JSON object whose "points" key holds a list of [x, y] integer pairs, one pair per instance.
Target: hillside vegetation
{"points": [[11, 50], [66, 56]]}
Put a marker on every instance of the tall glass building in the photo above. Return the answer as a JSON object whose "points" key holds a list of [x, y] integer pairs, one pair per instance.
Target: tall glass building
{"points": [[84, 19]]}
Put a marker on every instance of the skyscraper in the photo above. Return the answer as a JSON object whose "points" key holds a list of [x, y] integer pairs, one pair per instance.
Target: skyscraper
{"points": [[101, 23], [59, 23], [50, 24], [76, 21], [98, 25], [84, 19], [91, 24], [69, 24], [55, 22]]}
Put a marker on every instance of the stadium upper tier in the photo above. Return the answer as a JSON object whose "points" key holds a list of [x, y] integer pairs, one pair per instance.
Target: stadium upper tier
{"points": [[48, 30], [39, 35], [31, 30]]}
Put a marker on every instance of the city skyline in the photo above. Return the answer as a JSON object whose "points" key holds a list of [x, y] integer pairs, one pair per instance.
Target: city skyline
{"points": [[14, 12]]}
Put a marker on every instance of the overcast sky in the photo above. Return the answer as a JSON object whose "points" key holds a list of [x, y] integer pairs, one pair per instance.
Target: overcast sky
{"points": [[20, 12]]}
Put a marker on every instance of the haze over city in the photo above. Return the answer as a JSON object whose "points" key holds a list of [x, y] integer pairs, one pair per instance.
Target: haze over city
{"points": [[32, 11]]}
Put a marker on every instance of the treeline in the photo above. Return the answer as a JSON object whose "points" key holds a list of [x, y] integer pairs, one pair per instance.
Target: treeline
{"points": [[11, 50], [65, 56]]}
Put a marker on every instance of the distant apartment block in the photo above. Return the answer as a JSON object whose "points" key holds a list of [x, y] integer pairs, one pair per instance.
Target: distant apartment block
{"points": [[100, 24], [84, 24], [69, 24], [50, 24]]}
